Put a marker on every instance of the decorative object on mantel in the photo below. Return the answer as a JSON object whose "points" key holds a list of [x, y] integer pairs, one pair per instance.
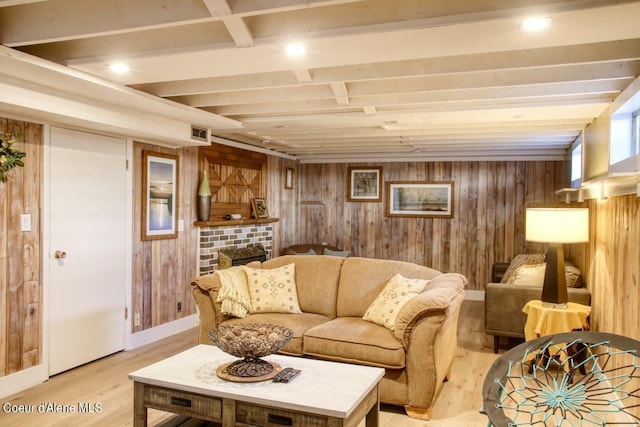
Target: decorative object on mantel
{"points": [[229, 217], [10, 156], [250, 342], [259, 206], [204, 198]]}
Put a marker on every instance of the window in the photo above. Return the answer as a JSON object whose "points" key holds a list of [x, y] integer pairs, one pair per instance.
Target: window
{"points": [[624, 147], [622, 144], [635, 136], [576, 165]]}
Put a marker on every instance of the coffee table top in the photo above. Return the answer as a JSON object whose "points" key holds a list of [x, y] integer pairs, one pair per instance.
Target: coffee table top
{"points": [[323, 388]]}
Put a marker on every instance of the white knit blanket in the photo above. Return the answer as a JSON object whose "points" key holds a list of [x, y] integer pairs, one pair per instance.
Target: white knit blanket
{"points": [[234, 292]]}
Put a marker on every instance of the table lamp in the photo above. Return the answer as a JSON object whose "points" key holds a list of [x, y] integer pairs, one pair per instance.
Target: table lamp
{"points": [[556, 226]]}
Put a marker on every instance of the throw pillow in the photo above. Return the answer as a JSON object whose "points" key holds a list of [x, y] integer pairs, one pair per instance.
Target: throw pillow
{"points": [[309, 252], [532, 275], [518, 260], [342, 254], [396, 293], [573, 276], [273, 290]]}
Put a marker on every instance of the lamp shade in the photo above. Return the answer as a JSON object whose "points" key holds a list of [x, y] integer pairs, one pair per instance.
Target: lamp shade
{"points": [[557, 225]]}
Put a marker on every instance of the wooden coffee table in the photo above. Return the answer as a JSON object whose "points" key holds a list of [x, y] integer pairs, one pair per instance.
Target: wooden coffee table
{"points": [[323, 394]]}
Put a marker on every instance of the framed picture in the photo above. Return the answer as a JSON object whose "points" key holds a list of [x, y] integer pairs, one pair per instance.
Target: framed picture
{"points": [[420, 199], [159, 196], [365, 184], [288, 178], [259, 208]]}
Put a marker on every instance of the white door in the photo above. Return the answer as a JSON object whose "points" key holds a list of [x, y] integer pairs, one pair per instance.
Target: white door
{"points": [[87, 247]]}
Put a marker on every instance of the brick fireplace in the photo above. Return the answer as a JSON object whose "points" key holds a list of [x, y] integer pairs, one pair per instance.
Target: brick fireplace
{"points": [[215, 238]]}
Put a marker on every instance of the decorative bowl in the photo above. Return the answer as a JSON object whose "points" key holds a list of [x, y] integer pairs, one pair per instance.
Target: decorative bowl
{"points": [[250, 342]]}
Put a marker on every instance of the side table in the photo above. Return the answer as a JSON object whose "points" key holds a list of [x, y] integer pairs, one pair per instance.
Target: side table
{"points": [[543, 320], [548, 320]]}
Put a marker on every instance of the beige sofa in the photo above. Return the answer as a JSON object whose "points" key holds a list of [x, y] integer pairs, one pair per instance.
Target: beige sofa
{"points": [[333, 295]]}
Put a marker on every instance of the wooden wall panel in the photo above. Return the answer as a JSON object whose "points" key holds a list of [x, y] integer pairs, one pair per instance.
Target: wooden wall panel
{"points": [[282, 203], [20, 254], [163, 269], [611, 260], [488, 222]]}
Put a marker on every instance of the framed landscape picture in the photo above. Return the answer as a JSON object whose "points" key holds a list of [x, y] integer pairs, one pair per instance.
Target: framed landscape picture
{"points": [[420, 199], [365, 184], [159, 196]]}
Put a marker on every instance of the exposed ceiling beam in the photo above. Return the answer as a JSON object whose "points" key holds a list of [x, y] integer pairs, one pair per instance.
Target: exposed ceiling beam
{"points": [[60, 20], [272, 111], [235, 25], [239, 31], [303, 76], [51, 21], [615, 51], [415, 85], [396, 79]]}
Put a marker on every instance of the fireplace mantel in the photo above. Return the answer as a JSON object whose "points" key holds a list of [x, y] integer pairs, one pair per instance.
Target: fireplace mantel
{"points": [[223, 223]]}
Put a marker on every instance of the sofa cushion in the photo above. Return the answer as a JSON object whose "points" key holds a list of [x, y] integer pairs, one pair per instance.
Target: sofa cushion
{"points": [[298, 323], [362, 280], [317, 281], [353, 340], [397, 292]]}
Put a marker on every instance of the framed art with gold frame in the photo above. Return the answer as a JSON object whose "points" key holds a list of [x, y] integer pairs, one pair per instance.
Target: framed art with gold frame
{"points": [[420, 199], [259, 207], [159, 196]]}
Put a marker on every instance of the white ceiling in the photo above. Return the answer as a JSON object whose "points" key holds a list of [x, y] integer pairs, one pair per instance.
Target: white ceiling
{"points": [[381, 79]]}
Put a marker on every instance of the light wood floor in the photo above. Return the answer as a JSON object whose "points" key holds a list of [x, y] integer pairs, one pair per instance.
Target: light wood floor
{"points": [[105, 382]]}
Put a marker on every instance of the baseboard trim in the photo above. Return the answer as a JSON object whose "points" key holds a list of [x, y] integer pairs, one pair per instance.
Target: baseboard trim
{"points": [[19, 381], [471, 295], [149, 336]]}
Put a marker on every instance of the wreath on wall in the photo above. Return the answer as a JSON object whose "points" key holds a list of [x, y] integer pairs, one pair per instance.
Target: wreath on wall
{"points": [[10, 156]]}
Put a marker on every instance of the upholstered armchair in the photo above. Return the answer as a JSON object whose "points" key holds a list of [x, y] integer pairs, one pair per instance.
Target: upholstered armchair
{"points": [[513, 285]]}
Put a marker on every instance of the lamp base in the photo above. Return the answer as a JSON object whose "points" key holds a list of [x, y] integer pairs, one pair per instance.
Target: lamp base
{"points": [[560, 306], [554, 289]]}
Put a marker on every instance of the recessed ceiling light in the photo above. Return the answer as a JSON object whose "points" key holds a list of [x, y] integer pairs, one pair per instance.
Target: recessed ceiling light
{"points": [[536, 23], [119, 67], [295, 49]]}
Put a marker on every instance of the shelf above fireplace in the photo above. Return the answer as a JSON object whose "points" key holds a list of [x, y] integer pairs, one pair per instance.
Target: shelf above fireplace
{"points": [[223, 223]]}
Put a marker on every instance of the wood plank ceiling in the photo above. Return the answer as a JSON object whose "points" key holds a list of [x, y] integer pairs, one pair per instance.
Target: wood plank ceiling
{"points": [[380, 79]]}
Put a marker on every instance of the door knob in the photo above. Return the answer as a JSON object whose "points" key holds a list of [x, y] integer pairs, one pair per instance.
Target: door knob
{"points": [[60, 255]]}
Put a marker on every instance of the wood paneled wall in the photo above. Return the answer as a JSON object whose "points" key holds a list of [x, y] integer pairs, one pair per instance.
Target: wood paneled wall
{"points": [[163, 269], [282, 203], [611, 261], [21, 254], [487, 227]]}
